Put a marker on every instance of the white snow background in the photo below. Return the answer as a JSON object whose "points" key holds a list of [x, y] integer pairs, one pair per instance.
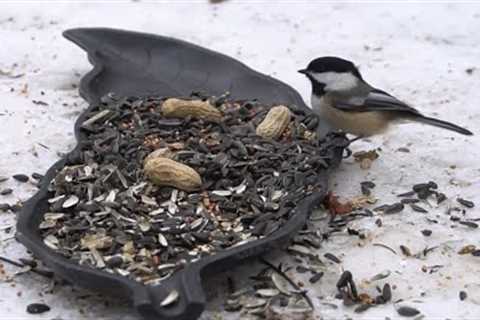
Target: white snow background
{"points": [[419, 52]]}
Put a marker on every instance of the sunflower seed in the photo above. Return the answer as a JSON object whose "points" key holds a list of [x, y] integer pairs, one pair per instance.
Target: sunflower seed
{"points": [[405, 250], [466, 203], [71, 201], [21, 177], [406, 194], [362, 308], [316, 277], [281, 284], [418, 208], [267, 293], [441, 197], [162, 240], [344, 279], [331, 257], [53, 200], [257, 303], [37, 308], [387, 292], [427, 232], [380, 276], [222, 193], [51, 241], [171, 298], [469, 224], [407, 311], [394, 208]]}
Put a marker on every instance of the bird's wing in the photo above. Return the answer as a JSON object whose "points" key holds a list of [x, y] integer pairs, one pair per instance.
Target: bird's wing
{"points": [[376, 100]]}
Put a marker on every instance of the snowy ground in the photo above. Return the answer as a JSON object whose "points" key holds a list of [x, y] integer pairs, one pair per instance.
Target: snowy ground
{"points": [[420, 53]]}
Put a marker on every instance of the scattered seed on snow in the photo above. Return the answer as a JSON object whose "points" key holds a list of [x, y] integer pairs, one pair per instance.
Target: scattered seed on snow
{"points": [[466, 203], [37, 308], [21, 177], [407, 311]]}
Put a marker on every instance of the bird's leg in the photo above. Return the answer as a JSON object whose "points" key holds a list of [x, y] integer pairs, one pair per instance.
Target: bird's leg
{"points": [[355, 139]]}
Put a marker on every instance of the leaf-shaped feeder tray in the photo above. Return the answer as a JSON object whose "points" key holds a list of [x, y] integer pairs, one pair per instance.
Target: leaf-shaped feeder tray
{"points": [[138, 64]]}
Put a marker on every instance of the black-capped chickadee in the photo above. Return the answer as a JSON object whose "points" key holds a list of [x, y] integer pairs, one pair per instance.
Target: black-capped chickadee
{"points": [[347, 102]]}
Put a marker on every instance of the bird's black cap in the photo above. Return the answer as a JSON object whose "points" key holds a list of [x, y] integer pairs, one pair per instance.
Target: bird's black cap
{"points": [[331, 64]]}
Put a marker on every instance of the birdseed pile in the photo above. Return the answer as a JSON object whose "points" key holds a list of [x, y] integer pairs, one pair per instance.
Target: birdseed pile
{"points": [[150, 190]]}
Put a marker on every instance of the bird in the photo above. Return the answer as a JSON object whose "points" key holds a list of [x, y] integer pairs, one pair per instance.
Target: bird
{"points": [[348, 103]]}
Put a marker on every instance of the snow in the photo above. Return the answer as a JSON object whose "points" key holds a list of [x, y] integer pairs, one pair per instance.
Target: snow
{"points": [[418, 52]]}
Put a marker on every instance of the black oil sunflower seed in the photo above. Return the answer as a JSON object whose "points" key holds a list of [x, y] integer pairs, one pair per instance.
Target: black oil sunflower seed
{"points": [[332, 257], [476, 253], [432, 185], [466, 203], [362, 308], [469, 224], [405, 250], [417, 208], [421, 186], [462, 295], [407, 311], [424, 194], [365, 190], [301, 269], [316, 277], [366, 187], [427, 233], [441, 197], [381, 208], [21, 177], [387, 292], [344, 279], [394, 208], [37, 308], [37, 176], [406, 194], [368, 184], [6, 191], [409, 201]]}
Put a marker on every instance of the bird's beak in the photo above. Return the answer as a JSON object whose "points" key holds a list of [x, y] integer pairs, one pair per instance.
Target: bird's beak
{"points": [[303, 71]]}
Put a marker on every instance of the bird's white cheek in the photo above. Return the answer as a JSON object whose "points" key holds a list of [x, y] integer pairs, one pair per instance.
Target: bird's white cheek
{"points": [[335, 81]]}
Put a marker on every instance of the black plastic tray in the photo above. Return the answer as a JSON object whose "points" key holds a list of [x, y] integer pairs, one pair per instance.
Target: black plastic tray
{"points": [[138, 64]]}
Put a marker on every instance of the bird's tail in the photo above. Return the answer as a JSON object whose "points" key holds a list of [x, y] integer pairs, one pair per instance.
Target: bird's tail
{"points": [[444, 124]]}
